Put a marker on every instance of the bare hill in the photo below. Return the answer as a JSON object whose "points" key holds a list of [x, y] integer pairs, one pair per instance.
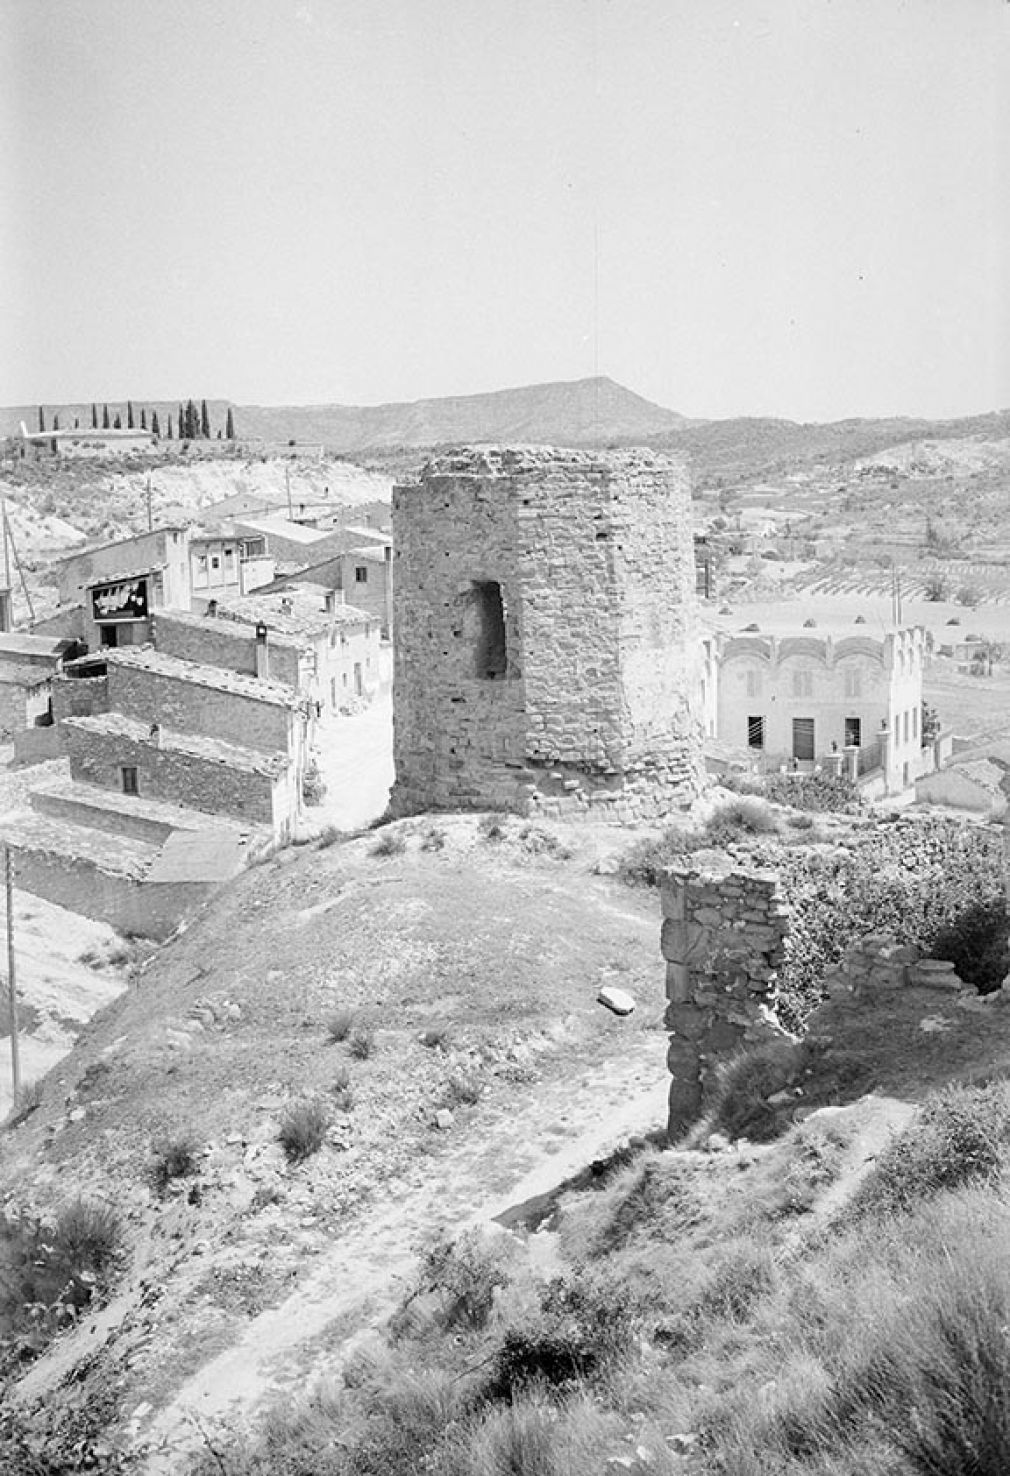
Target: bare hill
{"points": [[583, 410]]}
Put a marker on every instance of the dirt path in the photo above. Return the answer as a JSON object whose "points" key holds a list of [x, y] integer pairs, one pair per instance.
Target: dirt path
{"points": [[360, 1280]]}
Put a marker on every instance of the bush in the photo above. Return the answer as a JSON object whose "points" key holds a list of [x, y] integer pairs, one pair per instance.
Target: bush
{"points": [[303, 1129], [340, 1090], [464, 1274], [175, 1156], [28, 1099], [339, 1022], [313, 785], [643, 863], [959, 1136], [977, 943], [740, 1108], [736, 818], [821, 793], [432, 838], [362, 1043], [463, 1087], [390, 843], [491, 827], [51, 1270], [582, 1327]]}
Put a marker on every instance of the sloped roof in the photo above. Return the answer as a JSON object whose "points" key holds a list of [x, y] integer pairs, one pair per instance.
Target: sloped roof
{"points": [[146, 658]]}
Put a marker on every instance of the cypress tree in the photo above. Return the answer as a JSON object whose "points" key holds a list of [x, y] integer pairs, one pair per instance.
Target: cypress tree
{"points": [[42, 419], [143, 418], [129, 415], [117, 424], [180, 422], [155, 428], [105, 417], [94, 416], [204, 421], [192, 424], [56, 421], [230, 426], [168, 433]]}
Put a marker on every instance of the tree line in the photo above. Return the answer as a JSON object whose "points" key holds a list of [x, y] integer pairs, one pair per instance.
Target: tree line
{"points": [[191, 424]]}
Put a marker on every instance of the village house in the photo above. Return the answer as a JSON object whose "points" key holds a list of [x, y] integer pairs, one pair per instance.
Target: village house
{"points": [[341, 641], [849, 702], [291, 543], [82, 441], [223, 563]]}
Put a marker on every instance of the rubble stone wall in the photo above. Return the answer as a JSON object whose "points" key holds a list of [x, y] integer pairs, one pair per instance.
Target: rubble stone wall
{"points": [[79, 697], [189, 707], [544, 634], [229, 644], [168, 774], [723, 930]]}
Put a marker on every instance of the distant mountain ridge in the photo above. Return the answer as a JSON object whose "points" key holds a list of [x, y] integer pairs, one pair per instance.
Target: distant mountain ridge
{"points": [[575, 412], [581, 412]]}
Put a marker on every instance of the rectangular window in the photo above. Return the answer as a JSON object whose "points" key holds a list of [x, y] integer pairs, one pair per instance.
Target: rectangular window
{"points": [[803, 684], [129, 773], [853, 683], [200, 576], [803, 739], [215, 562], [853, 732], [753, 684], [755, 732], [361, 574], [906, 725], [229, 561], [915, 722]]}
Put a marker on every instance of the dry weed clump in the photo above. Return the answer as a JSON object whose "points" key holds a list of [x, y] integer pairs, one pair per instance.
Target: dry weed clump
{"points": [[174, 1156], [390, 843], [339, 1023], [303, 1129]]}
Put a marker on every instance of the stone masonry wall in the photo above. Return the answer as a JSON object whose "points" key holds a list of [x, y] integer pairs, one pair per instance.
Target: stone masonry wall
{"points": [[79, 697], [169, 774], [722, 937], [590, 707], [224, 643], [189, 707]]}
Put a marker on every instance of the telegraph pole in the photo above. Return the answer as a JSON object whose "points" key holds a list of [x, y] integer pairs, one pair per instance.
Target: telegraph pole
{"points": [[12, 992], [150, 508], [287, 479]]}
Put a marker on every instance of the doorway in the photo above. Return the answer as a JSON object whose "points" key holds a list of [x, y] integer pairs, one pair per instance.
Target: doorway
{"points": [[803, 739]]}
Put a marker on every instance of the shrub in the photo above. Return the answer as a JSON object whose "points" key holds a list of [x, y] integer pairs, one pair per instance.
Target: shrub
{"points": [[643, 863], [303, 1129], [339, 1023], [464, 1274], [977, 943], [540, 842], [313, 785], [821, 793], [175, 1156], [583, 1325], [328, 836], [743, 1084], [51, 1270], [959, 1136], [340, 1090], [968, 594], [27, 1099], [463, 1087], [362, 1043], [736, 818], [491, 827], [432, 838], [390, 843]]}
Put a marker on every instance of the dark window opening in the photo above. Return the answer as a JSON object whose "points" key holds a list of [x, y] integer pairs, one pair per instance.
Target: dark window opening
{"points": [[361, 574], [853, 732], [491, 653], [108, 635], [129, 774], [803, 739], [755, 732]]}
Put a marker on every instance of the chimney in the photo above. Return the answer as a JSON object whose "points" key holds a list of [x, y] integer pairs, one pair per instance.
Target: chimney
{"points": [[155, 734], [262, 653], [330, 604]]}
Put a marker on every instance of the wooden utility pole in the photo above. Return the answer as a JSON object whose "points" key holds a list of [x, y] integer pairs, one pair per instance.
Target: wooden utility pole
{"points": [[287, 480], [150, 508], [12, 987]]}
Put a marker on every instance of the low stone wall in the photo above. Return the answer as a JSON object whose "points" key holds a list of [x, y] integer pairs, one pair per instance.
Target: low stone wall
{"points": [[878, 963], [723, 929], [147, 909], [79, 697]]}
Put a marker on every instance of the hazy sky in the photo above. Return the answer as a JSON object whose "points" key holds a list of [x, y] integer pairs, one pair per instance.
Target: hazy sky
{"points": [[788, 207]]}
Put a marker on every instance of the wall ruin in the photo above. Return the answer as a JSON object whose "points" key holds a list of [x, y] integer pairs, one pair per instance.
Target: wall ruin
{"points": [[544, 635]]}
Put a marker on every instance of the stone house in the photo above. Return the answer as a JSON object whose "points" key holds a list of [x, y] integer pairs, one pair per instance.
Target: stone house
{"points": [[200, 736], [340, 668], [25, 699], [803, 700], [162, 549], [544, 634]]}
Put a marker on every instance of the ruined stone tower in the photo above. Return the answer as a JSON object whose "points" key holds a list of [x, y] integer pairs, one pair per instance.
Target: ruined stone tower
{"points": [[544, 634]]}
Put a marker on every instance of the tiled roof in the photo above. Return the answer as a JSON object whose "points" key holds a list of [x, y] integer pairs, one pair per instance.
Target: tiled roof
{"points": [[24, 676], [20, 643], [217, 625], [215, 750], [304, 615], [147, 658]]}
